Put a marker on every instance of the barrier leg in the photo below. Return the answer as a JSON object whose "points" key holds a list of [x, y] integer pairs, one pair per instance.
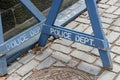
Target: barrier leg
{"points": [[50, 20], [3, 61], [98, 32]]}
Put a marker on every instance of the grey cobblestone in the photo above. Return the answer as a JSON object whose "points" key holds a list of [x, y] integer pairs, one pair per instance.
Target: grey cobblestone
{"points": [[14, 67], [72, 63], [101, 11], [118, 42], [117, 59], [118, 77], [46, 63], [88, 30], [112, 55], [26, 68], [83, 56], [81, 27], [117, 4], [26, 75], [107, 75], [105, 25], [116, 49], [116, 67], [89, 68], [72, 25], [82, 20], [112, 36], [27, 58], [59, 64], [104, 1], [105, 6], [61, 48], [106, 20], [44, 54], [108, 15], [82, 47], [112, 2], [111, 9], [117, 22], [115, 28], [14, 77], [117, 12], [64, 42], [61, 56], [95, 52], [99, 62]]}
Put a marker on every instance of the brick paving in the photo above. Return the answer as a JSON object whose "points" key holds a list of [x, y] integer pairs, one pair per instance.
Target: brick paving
{"points": [[64, 53]]}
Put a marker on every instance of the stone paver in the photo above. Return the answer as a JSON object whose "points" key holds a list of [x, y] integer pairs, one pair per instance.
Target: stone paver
{"points": [[98, 62], [105, 6], [27, 58], [107, 75], [112, 36], [14, 77], [117, 12], [118, 42], [82, 47], [112, 2], [104, 1], [117, 22], [83, 56], [118, 78], [59, 64], [116, 49], [89, 68], [72, 63], [72, 25], [116, 67], [111, 9], [108, 15], [64, 42], [61, 56], [78, 28], [46, 63], [88, 30], [44, 55], [61, 48], [117, 59], [14, 67], [115, 28], [106, 20], [26, 68], [95, 52], [82, 20], [23, 78]]}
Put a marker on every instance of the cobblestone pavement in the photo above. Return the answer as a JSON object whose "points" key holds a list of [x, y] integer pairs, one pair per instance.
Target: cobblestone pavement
{"points": [[64, 53]]}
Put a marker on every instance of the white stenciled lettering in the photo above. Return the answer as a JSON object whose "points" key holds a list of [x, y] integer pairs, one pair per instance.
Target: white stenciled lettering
{"points": [[34, 32], [83, 40], [16, 42], [60, 33]]}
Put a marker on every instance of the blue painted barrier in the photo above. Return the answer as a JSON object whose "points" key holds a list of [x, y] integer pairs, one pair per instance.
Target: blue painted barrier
{"points": [[98, 40], [17, 45]]}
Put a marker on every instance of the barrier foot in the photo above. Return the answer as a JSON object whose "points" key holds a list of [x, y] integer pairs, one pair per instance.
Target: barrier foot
{"points": [[3, 66]]}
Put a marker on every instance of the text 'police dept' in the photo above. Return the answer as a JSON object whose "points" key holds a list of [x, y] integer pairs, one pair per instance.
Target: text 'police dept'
{"points": [[70, 36]]}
